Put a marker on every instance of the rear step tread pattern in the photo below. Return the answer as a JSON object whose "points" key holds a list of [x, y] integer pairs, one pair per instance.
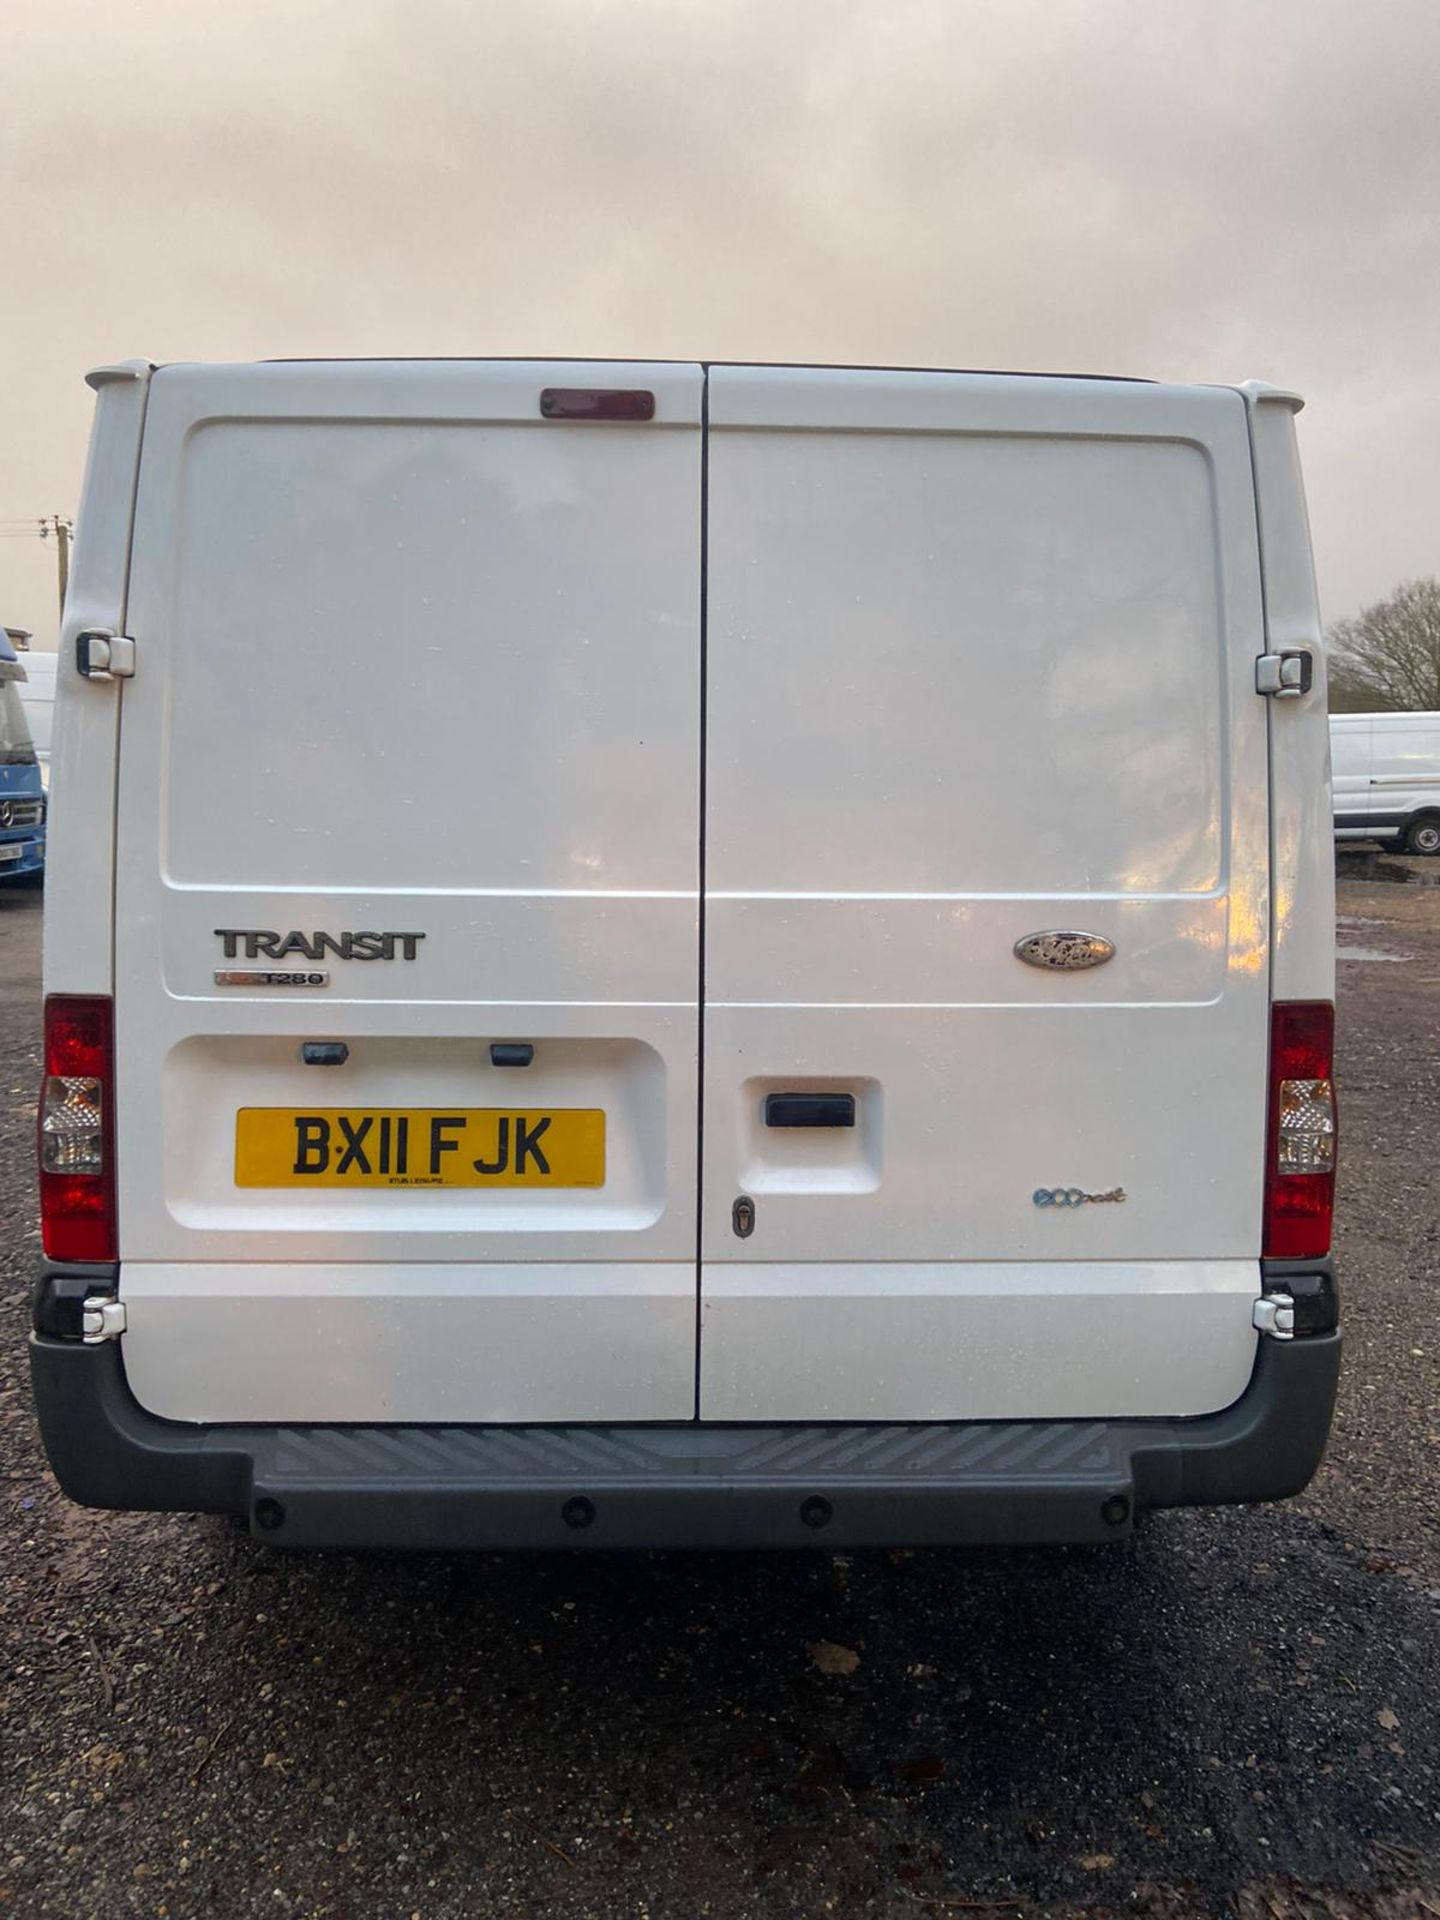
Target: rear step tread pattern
{"points": [[601, 1454]]}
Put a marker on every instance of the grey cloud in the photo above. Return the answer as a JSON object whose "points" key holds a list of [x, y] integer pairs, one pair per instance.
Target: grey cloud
{"points": [[1189, 188]]}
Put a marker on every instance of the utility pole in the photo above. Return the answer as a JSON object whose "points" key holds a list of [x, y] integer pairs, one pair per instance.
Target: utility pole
{"points": [[64, 532]]}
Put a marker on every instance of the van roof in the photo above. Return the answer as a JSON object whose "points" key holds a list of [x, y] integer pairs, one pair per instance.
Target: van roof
{"points": [[828, 366], [622, 360], [1252, 391]]}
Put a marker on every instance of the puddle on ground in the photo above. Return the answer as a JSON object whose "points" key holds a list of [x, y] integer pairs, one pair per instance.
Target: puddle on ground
{"points": [[1377, 866], [1369, 953]]}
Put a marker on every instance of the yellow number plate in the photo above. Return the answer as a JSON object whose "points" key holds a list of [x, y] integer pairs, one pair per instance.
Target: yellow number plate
{"points": [[419, 1147]]}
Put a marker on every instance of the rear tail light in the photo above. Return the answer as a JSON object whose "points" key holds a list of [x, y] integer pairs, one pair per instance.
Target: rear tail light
{"points": [[77, 1132], [1302, 1131]]}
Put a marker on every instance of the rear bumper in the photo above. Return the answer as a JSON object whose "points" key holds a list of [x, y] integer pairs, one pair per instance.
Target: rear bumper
{"points": [[979, 1483]]}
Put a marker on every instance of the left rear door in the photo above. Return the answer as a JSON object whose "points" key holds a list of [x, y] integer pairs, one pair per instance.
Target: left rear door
{"points": [[419, 664]]}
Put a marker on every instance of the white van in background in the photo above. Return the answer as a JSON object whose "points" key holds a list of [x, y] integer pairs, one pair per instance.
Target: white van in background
{"points": [[38, 694], [1386, 778], [768, 982]]}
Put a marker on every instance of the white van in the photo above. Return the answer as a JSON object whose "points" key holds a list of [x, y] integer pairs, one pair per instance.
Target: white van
{"points": [[1387, 778], [38, 694], [768, 981]]}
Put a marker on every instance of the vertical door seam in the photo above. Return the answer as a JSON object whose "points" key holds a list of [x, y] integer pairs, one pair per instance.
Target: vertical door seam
{"points": [[700, 872]]}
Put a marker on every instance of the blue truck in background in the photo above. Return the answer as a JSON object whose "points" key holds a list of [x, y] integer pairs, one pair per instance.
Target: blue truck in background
{"points": [[22, 796]]}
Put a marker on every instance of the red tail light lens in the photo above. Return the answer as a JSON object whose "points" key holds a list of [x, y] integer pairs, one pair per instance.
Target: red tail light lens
{"points": [[1302, 1132], [596, 403], [77, 1131]]}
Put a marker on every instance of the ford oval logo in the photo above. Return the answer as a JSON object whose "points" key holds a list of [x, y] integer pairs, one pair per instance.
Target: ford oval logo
{"points": [[1065, 952]]}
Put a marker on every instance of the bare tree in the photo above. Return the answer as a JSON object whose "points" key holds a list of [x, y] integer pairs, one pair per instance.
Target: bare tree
{"points": [[1387, 659]]}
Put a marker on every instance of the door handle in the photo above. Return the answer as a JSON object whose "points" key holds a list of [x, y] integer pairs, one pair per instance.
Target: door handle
{"points": [[809, 1109]]}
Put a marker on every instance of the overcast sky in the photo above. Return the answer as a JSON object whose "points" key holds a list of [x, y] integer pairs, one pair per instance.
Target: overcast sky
{"points": [[1189, 189]]}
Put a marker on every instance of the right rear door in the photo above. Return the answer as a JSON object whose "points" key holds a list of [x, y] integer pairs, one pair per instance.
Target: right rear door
{"points": [[980, 666]]}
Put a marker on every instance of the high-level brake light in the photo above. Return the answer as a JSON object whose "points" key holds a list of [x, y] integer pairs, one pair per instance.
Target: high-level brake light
{"points": [[76, 1131], [1302, 1131], [597, 403]]}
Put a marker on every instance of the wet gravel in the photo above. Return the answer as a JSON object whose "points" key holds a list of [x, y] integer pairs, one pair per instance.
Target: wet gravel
{"points": [[1234, 1713]]}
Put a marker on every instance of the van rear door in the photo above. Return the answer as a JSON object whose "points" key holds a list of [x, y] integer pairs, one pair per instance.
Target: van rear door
{"points": [[1351, 765], [409, 797], [980, 669]]}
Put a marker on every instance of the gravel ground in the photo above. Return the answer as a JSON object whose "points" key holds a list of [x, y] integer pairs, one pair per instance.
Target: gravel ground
{"points": [[1234, 1713]]}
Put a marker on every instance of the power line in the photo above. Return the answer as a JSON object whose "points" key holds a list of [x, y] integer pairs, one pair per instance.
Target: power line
{"points": [[58, 527]]}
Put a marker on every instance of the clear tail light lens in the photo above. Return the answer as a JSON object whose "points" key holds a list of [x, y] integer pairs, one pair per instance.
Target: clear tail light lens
{"points": [[72, 1126], [76, 1131], [1302, 1132], [1307, 1126]]}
